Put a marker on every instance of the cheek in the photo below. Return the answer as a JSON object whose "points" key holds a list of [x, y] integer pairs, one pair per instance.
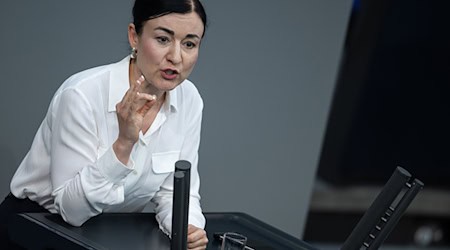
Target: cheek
{"points": [[191, 62], [150, 54]]}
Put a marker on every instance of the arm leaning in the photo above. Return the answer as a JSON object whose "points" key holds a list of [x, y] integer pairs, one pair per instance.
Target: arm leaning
{"points": [[85, 180]]}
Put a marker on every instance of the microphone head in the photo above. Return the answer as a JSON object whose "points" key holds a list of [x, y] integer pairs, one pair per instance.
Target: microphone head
{"points": [[182, 165]]}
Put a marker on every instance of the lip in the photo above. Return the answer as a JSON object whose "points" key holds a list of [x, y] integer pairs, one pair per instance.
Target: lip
{"points": [[169, 76]]}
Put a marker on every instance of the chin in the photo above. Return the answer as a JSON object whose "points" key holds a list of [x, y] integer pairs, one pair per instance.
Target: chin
{"points": [[170, 85]]}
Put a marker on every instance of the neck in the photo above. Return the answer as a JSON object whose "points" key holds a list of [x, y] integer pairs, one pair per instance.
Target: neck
{"points": [[147, 87]]}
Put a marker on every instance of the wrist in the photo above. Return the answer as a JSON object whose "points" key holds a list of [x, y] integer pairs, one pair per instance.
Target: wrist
{"points": [[123, 150]]}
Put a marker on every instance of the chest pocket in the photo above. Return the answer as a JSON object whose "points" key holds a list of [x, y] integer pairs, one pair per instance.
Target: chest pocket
{"points": [[163, 163]]}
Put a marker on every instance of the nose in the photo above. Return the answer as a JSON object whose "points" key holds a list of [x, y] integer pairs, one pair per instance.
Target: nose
{"points": [[174, 54]]}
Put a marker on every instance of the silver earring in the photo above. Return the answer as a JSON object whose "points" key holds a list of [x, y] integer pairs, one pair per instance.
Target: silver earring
{"points": [[133, 53]]}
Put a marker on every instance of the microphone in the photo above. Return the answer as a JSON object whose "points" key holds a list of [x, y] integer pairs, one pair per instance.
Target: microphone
{"points": [[180, 205]]}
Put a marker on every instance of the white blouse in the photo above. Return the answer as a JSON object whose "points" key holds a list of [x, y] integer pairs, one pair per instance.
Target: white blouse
{"points": [[71, 168]]}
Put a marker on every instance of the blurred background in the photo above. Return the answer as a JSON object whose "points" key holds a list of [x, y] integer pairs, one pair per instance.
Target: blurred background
{"points": [[309, 105], [391, 107]]}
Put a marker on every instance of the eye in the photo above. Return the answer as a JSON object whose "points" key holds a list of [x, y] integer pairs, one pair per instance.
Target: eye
{"points": [[190, 45], [162, 39]]}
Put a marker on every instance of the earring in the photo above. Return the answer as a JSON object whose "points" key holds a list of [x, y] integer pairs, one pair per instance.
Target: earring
{"points": [[133, 53]]}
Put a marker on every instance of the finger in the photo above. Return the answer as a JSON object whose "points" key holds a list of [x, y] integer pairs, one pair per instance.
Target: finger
{"points": [[134, 89], [198, 245], [196, 237], [139, 81], [132, 96], [126, 101], [198, 248], [145, 97], [129, 96], [146, 101]]}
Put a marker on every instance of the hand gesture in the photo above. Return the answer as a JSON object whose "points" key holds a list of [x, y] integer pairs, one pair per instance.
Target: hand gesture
{"points": [[130, 113]]}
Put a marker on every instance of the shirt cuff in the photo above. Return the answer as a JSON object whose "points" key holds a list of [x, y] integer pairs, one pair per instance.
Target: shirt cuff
{"points": [[112, 169]]}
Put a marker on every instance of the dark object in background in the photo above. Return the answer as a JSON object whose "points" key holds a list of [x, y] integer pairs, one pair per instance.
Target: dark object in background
{"points": [[391, 108], [385, 212], [391, 105]]}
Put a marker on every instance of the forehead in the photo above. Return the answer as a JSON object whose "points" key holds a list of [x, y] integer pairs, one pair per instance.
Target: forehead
{"points": [[180, 24]]}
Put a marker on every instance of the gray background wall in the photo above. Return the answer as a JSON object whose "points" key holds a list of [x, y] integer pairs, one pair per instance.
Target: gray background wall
{"points": [[266, 72]]}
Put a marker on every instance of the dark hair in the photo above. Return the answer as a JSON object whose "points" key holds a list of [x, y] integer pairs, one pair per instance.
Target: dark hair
{"points": [[144, 10]]}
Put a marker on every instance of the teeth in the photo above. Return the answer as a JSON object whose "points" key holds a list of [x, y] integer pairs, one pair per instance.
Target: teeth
{"points": [[170, 72]]}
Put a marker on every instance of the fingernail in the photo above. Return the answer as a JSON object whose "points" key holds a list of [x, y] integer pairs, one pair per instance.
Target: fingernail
{"points": [[140, 80], [154, 97], [137, 93]]}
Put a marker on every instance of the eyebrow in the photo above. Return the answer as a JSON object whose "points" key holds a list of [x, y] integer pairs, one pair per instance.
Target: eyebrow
{"points": [[171, 32]]}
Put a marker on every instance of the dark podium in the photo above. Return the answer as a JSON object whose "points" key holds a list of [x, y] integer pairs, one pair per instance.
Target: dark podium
{"points": [[138, 231]]}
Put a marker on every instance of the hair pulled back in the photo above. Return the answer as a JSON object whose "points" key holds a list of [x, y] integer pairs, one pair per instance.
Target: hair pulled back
{"points": [[144, 10]]}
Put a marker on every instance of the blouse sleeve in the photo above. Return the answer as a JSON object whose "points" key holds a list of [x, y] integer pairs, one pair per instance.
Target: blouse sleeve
{"points": [[163, 199], [84, 182]]}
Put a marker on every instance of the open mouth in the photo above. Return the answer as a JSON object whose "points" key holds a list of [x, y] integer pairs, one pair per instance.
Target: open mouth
{"points": [[170, 72]]}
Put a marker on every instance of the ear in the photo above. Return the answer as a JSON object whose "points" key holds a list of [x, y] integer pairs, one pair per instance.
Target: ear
{"points": [[132, 36]]}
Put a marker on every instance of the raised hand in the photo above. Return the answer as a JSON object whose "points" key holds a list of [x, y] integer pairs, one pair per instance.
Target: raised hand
{"points": [[130, 114]]}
